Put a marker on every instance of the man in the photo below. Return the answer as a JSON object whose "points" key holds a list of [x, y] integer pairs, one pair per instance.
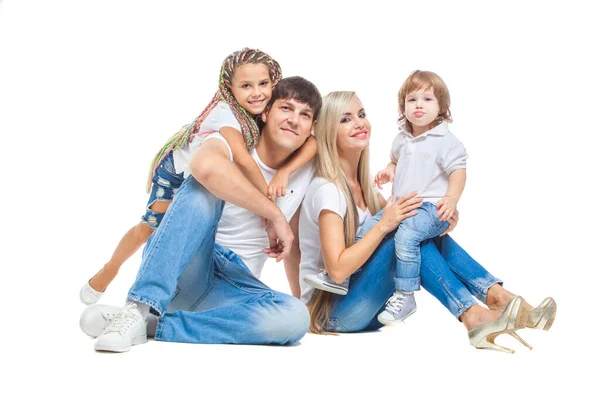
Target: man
{"points": [[202, 291]]}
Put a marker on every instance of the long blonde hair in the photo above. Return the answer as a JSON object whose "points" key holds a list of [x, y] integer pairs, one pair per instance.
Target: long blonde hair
{"points": [[330, 168]]}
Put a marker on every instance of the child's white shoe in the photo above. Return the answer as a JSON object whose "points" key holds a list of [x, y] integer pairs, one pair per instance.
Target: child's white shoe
{"points": [[88, 295]]}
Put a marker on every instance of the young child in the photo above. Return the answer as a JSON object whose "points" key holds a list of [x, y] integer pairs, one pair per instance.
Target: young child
{"points": [[246, 81], [428, 159]]}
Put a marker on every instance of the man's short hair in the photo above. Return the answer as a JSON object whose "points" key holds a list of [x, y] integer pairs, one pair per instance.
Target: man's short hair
{"points": [[299, 89]]}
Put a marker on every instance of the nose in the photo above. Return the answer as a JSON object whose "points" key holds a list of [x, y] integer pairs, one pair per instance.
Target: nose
{"points": [[360, 124], [293, 119], [419, 103], [256, 92]]}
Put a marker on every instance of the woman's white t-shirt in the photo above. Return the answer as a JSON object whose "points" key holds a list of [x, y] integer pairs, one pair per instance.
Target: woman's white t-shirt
{"points": [[320, 195]]}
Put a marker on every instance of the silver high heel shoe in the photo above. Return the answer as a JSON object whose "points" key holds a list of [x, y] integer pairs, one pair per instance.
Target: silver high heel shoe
{"points": [[514, 316]]}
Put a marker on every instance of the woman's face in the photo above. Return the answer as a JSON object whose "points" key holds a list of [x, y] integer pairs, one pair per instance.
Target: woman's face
{"points": [[355, 130]]}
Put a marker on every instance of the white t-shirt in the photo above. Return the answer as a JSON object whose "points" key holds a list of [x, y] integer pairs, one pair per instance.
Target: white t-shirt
{"points": [[221, 116], [242, 231], [320, 195], [424, 163]]}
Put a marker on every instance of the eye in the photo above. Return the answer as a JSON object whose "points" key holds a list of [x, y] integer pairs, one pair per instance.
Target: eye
{"points": [[411, 99], [428, 99], [362, 115], [245, 86], [307, 115], [265, 83], [286, 108], [344, 120]]}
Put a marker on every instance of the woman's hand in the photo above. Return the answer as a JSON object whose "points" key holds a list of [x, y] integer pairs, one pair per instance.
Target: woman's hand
{"points": [[453, 221], [397, 211]]}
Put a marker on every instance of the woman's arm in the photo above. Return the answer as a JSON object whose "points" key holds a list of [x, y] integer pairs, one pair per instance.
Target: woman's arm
{"points": [[243, 159], [341, 261]]}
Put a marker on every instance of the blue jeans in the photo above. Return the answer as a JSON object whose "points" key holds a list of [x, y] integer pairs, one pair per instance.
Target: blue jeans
{"points": [[204, 293], [165, 183], [408, 237], [447, 272]]}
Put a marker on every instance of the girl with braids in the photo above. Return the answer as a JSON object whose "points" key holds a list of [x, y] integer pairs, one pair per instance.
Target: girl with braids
{"points": [[246, 81], [338, 202]]}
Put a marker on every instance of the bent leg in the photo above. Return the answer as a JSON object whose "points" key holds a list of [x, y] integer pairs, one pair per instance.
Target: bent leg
{"points": [[237, 308], [186, 232], [476, 278]]}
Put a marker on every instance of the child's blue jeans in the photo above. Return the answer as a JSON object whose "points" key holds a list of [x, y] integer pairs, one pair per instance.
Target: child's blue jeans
{"points": [[411, 232]]}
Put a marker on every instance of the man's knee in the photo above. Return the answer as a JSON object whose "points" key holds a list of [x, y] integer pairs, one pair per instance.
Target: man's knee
{"points": [[289, 323]]}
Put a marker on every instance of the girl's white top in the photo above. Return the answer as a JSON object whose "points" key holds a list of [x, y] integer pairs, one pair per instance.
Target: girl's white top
{"points": [[221, 116]]}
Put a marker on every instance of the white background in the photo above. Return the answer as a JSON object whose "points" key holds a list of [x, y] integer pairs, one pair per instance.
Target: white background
{"points": [[90, 90]]}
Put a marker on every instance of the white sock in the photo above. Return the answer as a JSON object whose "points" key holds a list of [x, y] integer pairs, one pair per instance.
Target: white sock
{"points": [[144, 309], [406, 293]]}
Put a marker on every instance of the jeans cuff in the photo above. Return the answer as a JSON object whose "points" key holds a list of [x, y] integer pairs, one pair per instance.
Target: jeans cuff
{"points": [[407, 284]]}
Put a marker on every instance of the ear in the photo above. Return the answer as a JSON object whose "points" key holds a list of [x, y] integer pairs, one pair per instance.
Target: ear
{"points": [[264, 114], [312, 130]]}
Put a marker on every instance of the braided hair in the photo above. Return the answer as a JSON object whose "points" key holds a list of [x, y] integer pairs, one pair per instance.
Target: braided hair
{"points": [[249, 127]]}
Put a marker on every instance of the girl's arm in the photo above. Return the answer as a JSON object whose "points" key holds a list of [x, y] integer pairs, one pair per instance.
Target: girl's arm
{"points": [[243, 159], [303, 155], [341, 261]]}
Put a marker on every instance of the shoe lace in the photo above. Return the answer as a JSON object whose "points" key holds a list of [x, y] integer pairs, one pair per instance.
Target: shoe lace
{"points": [[125, 318], [395, 303]]}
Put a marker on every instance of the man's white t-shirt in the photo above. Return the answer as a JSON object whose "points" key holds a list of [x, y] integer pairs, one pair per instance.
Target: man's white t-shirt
{"points": [[243, 231], [219, 117], [320, 195]]}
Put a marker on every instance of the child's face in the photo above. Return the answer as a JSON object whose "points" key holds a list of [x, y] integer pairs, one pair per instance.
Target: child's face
{"points": [[251, 86], [421, 109]]}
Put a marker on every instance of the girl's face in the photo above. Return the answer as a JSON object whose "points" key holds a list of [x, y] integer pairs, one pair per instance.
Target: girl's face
{"points": [[355, 130], [421, 109], [251, 87]]}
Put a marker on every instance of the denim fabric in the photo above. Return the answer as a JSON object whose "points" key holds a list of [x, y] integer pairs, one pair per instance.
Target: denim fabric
{"points": [[447, 272], [203, 292], [165, 184], [409, 235]]}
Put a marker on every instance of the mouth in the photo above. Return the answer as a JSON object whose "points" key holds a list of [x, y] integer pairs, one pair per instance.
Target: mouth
{"points": [[289, 130], [362, 134], [418, 114], [256, 103]]}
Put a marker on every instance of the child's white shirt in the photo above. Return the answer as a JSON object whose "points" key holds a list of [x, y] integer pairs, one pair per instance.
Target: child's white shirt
{"points": [[219, 117], [424, 163]]}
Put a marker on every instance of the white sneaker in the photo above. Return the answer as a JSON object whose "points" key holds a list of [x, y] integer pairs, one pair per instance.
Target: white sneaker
{"points": [[88, 295], [398, 307], [126, 329], [322, 281], [94, 319]]}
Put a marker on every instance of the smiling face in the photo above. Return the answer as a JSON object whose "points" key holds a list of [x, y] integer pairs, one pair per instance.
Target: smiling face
{"points": [[251, 86], [354, 131], [422, 109], [288, 123]]}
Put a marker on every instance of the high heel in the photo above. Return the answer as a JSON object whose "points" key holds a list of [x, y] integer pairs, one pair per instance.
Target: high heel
{"points": [[513, 317], [542, 317], [521, 340]]}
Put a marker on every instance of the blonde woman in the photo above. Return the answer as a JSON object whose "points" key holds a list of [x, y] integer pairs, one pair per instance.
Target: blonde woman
{"points": [[340, 199]]}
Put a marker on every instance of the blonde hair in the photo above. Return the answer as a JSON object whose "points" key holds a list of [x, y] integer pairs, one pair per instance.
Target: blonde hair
{"points": [[424, 80], [330, 168]]}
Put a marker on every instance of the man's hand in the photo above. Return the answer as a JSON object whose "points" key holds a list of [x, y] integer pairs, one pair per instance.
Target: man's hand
{"points": [[446, 208], [280, 239]]}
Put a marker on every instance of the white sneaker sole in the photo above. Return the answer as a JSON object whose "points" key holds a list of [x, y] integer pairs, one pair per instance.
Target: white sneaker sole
{"points": [[393, 321], [327, 287], [141, 339]]}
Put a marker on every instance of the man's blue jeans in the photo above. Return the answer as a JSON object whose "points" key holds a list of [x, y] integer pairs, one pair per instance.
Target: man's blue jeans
{"points": [[408, 238], [447, 272], [203, 292]]}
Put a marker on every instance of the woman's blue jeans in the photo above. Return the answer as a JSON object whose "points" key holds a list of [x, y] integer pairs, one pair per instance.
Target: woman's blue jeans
{"points": [[447, 271]]}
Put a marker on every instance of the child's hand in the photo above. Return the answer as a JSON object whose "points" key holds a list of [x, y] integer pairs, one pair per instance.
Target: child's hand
{"points": [[384, 176], [446, 208], [278, 185]]}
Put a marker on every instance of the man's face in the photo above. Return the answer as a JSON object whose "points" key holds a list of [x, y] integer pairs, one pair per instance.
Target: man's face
{"points": [[288, 123]]}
